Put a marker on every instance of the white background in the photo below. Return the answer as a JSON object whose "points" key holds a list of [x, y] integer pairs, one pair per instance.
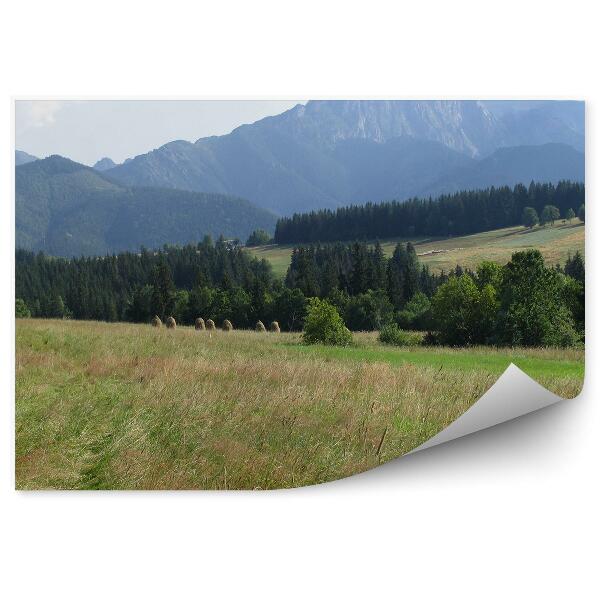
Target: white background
{"points": [[507, 513]]}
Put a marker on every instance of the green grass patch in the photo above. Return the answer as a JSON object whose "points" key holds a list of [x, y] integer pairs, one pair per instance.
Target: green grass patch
{"points": [[554, 242], [494, 362]]}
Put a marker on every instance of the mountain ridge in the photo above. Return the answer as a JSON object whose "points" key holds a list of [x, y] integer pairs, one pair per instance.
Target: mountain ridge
{"points": [[299, 159], [22, 158]]}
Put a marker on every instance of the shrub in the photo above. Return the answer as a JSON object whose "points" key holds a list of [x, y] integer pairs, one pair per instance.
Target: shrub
{"points": [[392, 334], [21, 309], [369, 311], [323, 325], [581, 213], [430, 339], [463, 313], [416, 313]]}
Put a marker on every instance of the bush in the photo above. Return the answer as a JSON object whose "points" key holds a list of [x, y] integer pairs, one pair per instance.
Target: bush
{"points": [[392, 334], [369, 311], [430, 339], [416, 313], [21, 309], [323, 325]]}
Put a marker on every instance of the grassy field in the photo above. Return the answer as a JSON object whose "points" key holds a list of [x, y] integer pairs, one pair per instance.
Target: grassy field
{"points": [[554, 242], [121, 406]]}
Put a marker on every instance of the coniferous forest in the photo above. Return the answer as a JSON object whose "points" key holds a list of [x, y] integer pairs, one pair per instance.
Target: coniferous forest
{"points": [[524, 302], [462, 213]]}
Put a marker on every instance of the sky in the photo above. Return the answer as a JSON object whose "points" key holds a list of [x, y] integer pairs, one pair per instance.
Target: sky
{"points": [[87, 130]]}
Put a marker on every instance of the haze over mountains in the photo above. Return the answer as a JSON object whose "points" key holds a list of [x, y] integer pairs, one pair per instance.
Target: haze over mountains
{"points": [[328, 153], [324, 154]]}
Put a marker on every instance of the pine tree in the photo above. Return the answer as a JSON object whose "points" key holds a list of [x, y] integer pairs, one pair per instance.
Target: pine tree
{"points": [[378, 278], [163, 290], [395, 273]]}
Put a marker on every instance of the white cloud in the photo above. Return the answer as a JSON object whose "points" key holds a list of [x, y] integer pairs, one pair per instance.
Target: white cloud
{"points": [[36, 113]]}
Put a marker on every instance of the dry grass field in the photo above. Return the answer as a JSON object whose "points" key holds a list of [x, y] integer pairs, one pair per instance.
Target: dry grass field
{"points": [[554, 242], [122, 406]]}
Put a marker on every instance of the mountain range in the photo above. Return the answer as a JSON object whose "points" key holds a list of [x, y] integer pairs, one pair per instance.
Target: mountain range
{"points": [[330, 153], [67, 209], [322, 154]]}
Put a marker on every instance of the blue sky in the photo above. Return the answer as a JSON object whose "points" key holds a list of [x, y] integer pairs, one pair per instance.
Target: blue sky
{"points": [[87, 130]]}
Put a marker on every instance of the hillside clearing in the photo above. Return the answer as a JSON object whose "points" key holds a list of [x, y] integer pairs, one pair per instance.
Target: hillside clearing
{"points": [[121, 406], [554, 242]]}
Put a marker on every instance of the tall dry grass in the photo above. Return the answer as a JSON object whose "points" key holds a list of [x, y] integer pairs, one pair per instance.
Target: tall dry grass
{"points": [[123, 406]]}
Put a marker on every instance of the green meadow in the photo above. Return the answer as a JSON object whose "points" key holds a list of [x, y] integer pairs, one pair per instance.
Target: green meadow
{"points": [[124, 406], [442, 254]]}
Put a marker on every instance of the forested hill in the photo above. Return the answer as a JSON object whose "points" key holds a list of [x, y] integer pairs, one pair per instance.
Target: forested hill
{"points": [[461, 213], [67, 209]]}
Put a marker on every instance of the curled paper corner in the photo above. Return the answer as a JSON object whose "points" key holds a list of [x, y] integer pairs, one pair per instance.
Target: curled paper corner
{"points": [[513, 395]]}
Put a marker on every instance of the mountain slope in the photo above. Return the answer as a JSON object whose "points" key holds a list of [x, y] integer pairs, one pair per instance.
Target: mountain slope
{"points": [[66, 209], [104, 164], [562, 122], [22, 158], [330, 153], [509, 166]]}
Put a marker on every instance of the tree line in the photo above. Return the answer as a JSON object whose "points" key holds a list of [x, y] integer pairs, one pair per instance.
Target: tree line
{"points": [[522, 303], [462, 213], [179, 281]]}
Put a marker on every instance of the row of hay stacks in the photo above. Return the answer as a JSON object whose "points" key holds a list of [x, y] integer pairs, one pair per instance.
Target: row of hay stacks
{"points": [[209, 325]]}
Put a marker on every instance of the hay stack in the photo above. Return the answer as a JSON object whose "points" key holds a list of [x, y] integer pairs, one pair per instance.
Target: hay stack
{"points": [[156, 322], [171, 324], [210, 325], [227, 325], [199, 324], [274, 327], [260, 327]]}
